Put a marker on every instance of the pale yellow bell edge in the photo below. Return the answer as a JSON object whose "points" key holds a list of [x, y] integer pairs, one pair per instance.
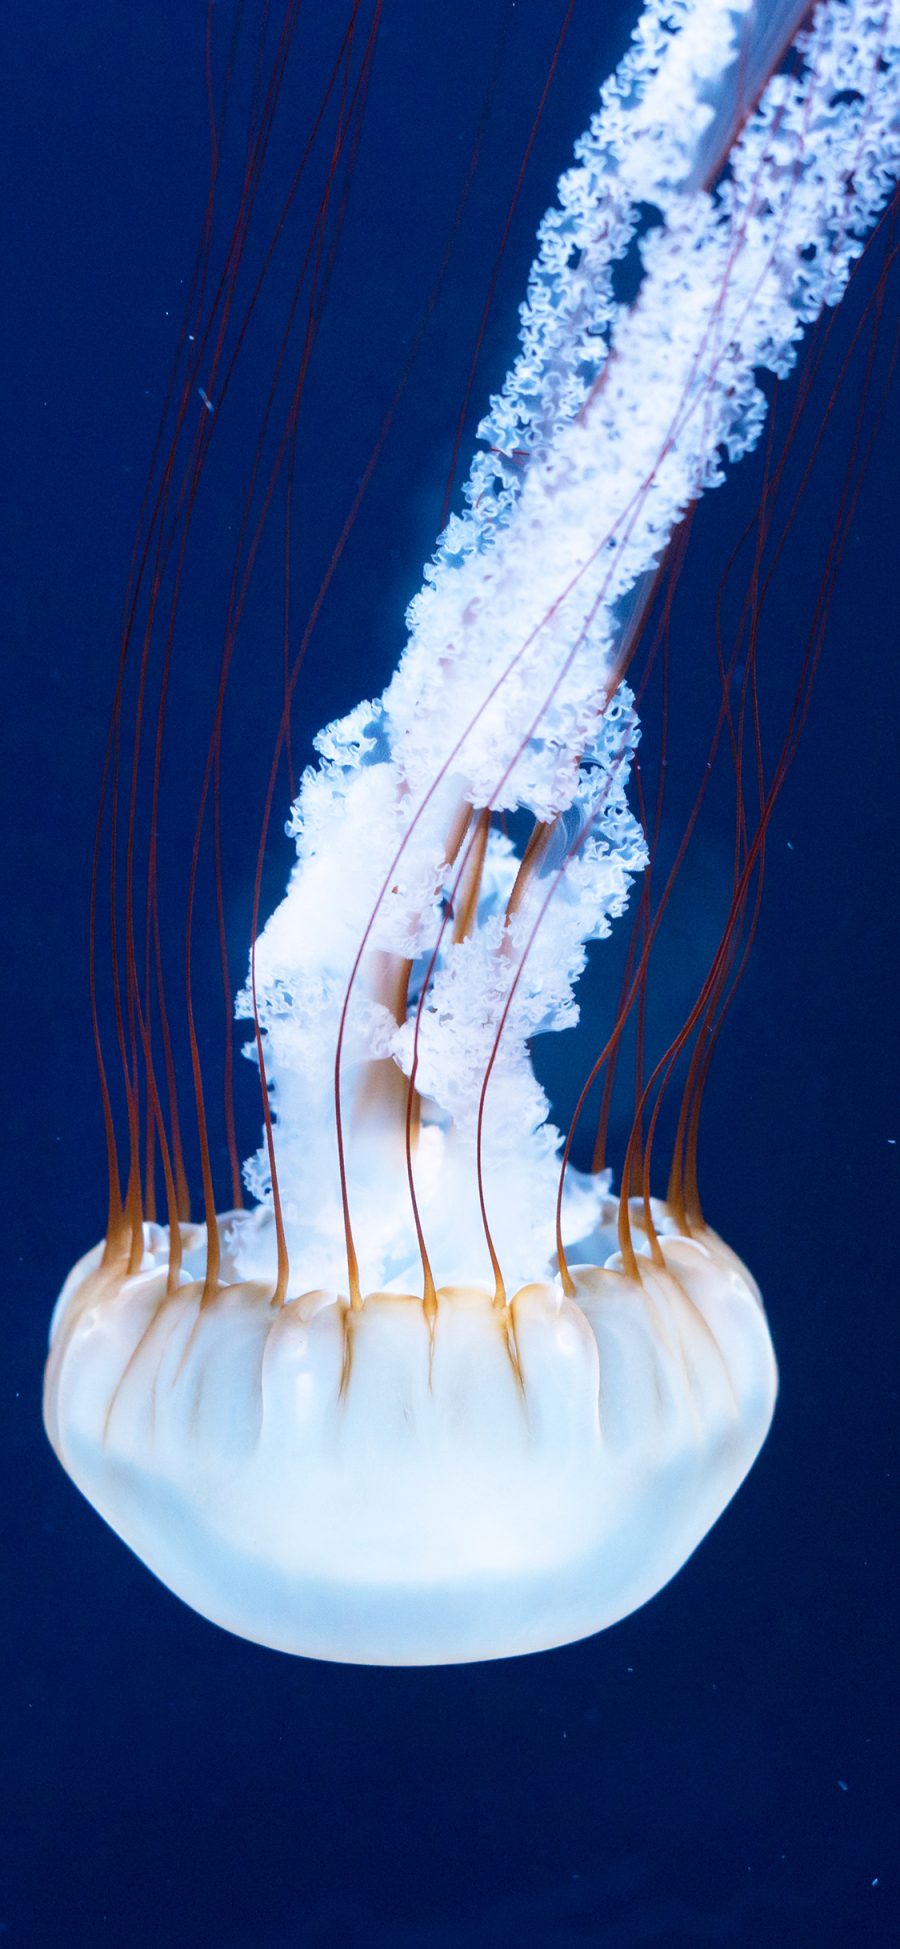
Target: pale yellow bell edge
{"points": [[376, 1488]]}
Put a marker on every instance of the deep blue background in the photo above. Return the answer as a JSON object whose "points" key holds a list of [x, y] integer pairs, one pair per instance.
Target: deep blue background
{"points": [[721, 1767]]}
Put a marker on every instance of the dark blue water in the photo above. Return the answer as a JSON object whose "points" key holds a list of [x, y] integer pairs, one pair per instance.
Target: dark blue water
{"points": [[720, 1768]]}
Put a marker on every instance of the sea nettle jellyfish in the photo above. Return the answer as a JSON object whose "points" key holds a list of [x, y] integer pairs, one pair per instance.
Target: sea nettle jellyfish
{"points": [[438, 1395]]}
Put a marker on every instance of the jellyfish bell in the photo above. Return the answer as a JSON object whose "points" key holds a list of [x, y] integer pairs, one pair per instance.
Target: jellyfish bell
{"points": [[386, 1485], [439, 1396]]}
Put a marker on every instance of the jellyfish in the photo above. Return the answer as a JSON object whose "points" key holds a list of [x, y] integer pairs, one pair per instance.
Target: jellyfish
{"points": [[438, 1395]]}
